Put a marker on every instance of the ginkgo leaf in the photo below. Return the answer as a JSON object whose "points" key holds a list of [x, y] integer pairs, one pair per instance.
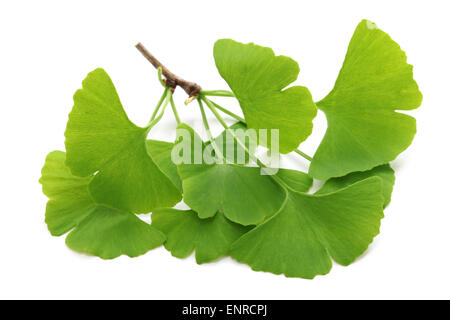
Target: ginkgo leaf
{"points": [[70, 201], [257, 78], [189, 146], [97, 230], [160, 152], [109, 233], [297, 180], [243, 194], [100, 137], [385, 172], [364, 129], [309, 230], [231, 149], [185, 231]]}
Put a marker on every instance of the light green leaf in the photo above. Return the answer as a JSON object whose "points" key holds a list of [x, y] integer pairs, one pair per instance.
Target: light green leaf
{"points": [[297, 180], [191, 150], [160, 152], [241, 193], [100, 137], [97, 230], [364, 129], [226, 142], [69, 201], [385, 172], [257, 78], [309, 230], [109, 233], [211, 238]]}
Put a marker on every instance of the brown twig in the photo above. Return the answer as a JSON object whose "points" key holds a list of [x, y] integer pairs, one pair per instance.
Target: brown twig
{"points": [[172, 80]]}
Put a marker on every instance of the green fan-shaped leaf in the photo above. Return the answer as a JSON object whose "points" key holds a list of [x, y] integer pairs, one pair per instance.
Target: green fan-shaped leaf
{"points": [[97, 230], [385, 172], [194, 147], [211, 238], [100, 137], [109, 233], [231, 149], [258, 78], [296, 180], [309, 230], [243, 194], [364, 129], [70, 201], [160, 152]]}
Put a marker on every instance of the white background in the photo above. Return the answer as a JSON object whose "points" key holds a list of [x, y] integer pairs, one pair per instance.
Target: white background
{"points": [[48, 47]]}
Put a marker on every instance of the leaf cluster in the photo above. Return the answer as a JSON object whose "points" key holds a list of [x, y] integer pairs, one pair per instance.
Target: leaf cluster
{"points": [[111, 172]]}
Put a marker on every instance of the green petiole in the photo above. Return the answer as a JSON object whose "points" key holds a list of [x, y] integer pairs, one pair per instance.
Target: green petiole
{"points": [[224, 110], [160, 77], [304, 155], [217, 93], [167, 96], [174, 109], [158, 105], [208, 131]]}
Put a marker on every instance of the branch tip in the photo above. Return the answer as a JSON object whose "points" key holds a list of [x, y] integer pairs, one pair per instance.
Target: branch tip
{"points": [[172, 80]]}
